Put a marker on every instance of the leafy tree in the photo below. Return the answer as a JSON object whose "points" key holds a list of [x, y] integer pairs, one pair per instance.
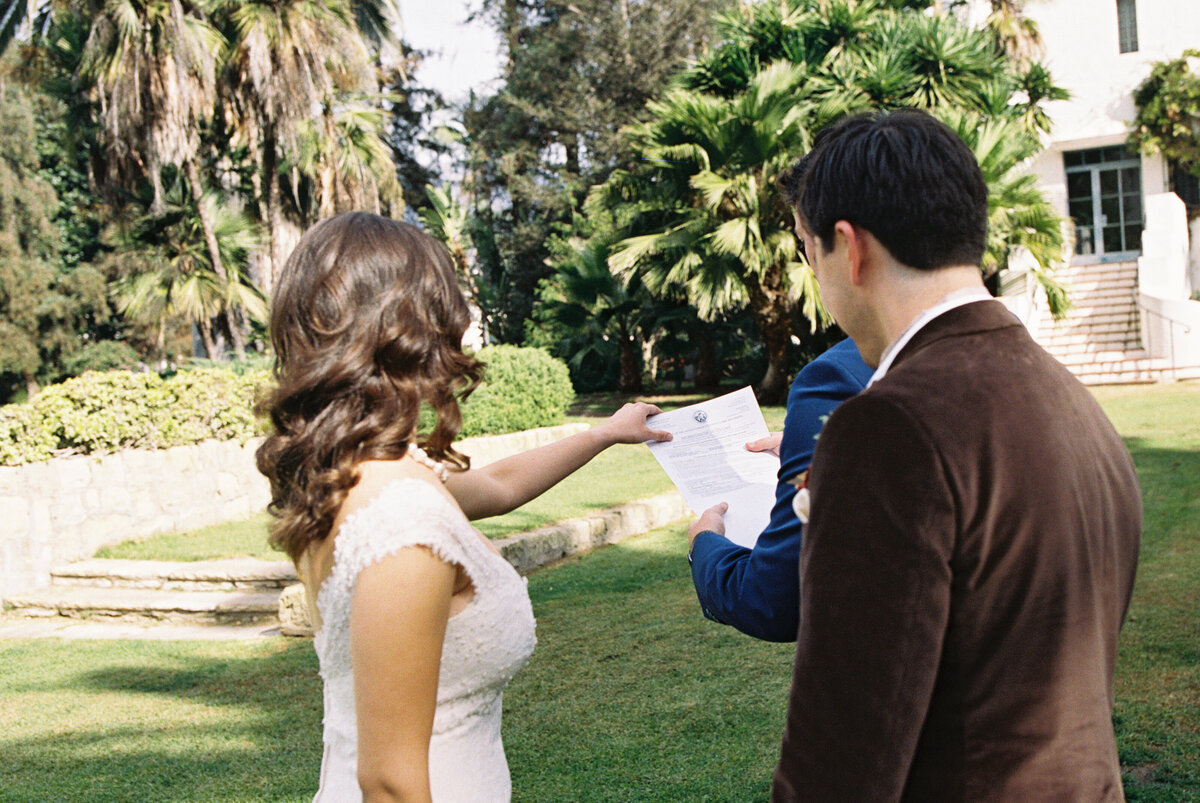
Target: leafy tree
{"points": [[1168, 111], [576, 73], [700, 202], [41, 311]]}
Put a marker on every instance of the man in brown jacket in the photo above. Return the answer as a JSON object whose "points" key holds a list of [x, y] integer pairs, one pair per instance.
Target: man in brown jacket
{"points": [[975, 518]]}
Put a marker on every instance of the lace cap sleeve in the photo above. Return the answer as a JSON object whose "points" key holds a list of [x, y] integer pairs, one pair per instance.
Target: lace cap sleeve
{"points": [[406, 513]]}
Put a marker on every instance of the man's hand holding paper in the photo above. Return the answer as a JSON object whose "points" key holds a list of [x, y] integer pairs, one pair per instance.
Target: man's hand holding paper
{"points": [[709, 462]]}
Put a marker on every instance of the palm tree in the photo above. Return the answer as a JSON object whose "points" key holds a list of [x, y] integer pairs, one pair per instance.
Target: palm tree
{"points": [[699, 209], [1019, 216], [731, 246], [450, 221], [169, 274], [599, 310], [154, 63], [292, 62]]}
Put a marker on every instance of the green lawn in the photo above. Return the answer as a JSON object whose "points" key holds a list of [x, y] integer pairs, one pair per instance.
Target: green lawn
{"points": [[620, 474], [1158, 679], [630, 696]]}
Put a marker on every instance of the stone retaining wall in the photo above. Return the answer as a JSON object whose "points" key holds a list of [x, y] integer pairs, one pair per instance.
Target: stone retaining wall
{"points": [[65, 509]]}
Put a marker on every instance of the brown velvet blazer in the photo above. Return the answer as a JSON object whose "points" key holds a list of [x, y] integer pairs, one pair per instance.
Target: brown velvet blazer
{"points": [[964, 574]]}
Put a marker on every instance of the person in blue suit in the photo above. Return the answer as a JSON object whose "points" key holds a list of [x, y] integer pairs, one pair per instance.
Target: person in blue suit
{"points": [[757, 591]]}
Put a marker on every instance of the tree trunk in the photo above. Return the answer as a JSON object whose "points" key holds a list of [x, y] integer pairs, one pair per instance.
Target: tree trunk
{"points": [[266, 271], [771, 309], [274, 201], [629, 380], [206, 338], [707, 376], [32, 388], [214, 254]]}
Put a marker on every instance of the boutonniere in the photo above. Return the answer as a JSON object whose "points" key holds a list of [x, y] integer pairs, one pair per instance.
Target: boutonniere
{"points": [[802, 501]]}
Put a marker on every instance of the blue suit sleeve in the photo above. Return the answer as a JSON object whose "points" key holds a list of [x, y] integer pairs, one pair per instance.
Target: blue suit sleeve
{"points": [[758, 591]]}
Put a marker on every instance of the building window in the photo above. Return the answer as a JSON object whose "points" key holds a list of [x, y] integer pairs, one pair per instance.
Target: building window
{"points": [[1127, 25], [1104, 199]]}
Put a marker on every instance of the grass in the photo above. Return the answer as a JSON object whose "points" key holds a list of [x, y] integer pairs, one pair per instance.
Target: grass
{"points": [[631, 694], [1158, 680], [618, 475]]}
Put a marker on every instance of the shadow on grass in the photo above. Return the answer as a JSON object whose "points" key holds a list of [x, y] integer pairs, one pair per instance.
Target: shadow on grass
{"points": [[1157, 716], [633, 695], [165, 722]]}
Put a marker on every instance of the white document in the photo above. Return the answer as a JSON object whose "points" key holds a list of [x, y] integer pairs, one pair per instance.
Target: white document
{"points": [[708, 461]]}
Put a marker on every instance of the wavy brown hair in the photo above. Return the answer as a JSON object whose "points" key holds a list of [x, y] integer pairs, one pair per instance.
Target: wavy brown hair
{"points": [[367, 321]]}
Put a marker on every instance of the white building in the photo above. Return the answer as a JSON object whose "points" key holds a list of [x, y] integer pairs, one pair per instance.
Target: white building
{"points": [[1132, 270]]}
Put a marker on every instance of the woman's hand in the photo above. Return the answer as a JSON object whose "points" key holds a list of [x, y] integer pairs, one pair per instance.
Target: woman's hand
{"points": [[628, 425]]}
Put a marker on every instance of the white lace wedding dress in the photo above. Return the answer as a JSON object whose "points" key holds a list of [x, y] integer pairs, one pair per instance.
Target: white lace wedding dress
{"points": [[486, 644]]}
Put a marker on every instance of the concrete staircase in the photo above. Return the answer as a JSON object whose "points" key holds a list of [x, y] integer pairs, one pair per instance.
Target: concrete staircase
{"points": [[1100, 339], [240, 592]]}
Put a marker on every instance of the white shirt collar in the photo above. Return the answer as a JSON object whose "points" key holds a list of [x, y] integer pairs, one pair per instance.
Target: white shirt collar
{"points": [[958, 298]]}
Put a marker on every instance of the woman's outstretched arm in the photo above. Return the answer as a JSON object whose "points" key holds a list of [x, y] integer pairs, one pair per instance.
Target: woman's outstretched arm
{"points": [[509, 483]]}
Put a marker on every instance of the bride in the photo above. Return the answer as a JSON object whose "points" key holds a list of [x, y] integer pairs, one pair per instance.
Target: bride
{"points": [[420, 622]]}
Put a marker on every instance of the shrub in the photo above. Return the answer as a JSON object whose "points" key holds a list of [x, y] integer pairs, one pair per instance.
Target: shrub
{"points": [[111, 410], [25, 435], [522, 388], [103, 355]]}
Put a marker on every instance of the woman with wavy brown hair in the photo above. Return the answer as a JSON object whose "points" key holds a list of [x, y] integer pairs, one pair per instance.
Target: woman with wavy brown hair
{"points": [[420, 621]]}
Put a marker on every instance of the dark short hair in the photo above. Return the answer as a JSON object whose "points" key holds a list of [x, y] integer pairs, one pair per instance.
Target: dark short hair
{"points": [[904, 176]]}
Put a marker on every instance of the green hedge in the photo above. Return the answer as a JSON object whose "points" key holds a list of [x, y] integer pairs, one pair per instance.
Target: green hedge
{"points": [[110, 410], [522, 388], [103, 411]]}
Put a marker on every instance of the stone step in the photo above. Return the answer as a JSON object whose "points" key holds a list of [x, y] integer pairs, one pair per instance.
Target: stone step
{"points": [[1099, 296], [1096, 268], [146, 606], [1109, 360], [1091, 352], [1098, 319], [1086, 339], [234, 574]]}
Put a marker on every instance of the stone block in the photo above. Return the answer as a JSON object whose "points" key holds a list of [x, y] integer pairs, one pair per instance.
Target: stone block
{"points": [[72, 473], [294, 619], [12, 480], [15, 515], [67, 510], [229, 486], [41, 478], [180, 458]]}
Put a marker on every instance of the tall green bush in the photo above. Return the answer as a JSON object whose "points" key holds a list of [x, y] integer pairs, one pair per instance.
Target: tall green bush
{"points": [[523, 388]]}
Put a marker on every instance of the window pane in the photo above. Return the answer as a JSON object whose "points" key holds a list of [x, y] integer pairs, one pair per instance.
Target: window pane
{"points": [[1112, 239], [1072, 158], [1111, 209], [1081, 212], [1185, 185], [1083, 240], [1108, 182], [1133, 208], [1133, 238], [1131, 179], [1079, 185], [1127, 26], [1092, 156]]}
